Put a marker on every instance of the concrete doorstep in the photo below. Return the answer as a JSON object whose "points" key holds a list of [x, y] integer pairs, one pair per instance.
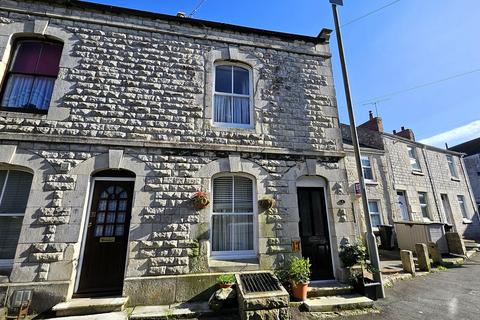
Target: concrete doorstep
{"points": [[338, 302], [89, 306], [98, 316]]}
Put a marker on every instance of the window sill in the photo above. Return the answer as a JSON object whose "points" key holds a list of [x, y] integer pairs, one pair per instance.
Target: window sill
{"points": [[226, 127], [371, 182], [466, 221], [455, 179], [217, 264], [418, 173], [22, 114]]}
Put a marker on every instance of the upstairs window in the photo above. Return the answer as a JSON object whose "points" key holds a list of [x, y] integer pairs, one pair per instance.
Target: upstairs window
{"points": [[451, 166], [232, 97], [367, 168], [232, 217], [31, 76], [414, 163], [14, 192]]}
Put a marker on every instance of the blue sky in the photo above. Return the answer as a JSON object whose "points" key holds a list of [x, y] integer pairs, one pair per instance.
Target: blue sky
{"points": [[405, 45]]}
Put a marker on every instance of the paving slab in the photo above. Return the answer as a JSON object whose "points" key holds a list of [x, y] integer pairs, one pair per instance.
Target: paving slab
{"points": [[181, 311]]}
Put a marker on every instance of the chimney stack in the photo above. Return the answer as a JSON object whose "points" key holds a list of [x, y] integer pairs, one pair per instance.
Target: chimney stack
{"points": [[405, 133], [374, 123]]}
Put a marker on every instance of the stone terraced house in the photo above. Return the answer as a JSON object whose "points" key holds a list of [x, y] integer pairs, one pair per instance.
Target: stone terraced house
{"points": [[113, 119], [408, 182]]}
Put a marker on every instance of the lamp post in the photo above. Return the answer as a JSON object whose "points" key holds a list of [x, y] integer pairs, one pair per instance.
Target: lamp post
{"points": [[370, 237]]}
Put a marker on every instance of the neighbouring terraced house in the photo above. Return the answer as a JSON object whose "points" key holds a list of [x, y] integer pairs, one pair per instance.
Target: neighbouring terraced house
{"points": [[113, 119], [410, 183]]}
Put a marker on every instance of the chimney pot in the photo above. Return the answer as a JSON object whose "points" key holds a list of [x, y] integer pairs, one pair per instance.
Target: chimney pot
{"points": [[370, 114], [403, 128], [394, 131]]}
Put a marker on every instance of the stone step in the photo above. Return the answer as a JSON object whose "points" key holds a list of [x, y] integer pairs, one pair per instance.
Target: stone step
{"points": [[328, 289], [186, 310], [98, 316], [88, 306], [338, 302]]}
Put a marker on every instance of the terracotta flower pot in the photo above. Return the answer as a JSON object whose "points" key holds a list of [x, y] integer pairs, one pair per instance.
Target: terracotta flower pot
{"points": [[299, 291], [225, 285]]}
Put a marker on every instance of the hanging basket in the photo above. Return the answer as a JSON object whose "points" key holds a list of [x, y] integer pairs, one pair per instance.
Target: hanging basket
{"points": [[200, 200], [266, 203]]}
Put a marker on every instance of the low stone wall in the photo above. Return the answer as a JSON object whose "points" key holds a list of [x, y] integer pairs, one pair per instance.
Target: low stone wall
{"points": [[162, 290]]}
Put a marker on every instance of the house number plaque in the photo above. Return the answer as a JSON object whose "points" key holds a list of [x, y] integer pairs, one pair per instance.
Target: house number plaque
{"points": [[296, 245], [107, 239]]}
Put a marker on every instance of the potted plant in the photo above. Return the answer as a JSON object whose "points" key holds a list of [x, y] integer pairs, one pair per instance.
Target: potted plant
{"points": [[226, 281], [299, 274], [266, 203], [354, 257], [200, 200]]}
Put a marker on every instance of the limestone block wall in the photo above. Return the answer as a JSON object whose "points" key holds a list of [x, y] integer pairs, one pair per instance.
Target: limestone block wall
{"points": [[167, 235], [144, 79]]}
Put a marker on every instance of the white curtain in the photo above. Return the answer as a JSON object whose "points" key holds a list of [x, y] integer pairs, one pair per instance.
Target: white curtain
{"points": [[241, 110], [24, 91], [232, 232], [225, 111]]}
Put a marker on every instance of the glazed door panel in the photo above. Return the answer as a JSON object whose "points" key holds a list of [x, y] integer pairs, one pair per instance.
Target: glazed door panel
{"points": [[314, 234], [106, 243]]}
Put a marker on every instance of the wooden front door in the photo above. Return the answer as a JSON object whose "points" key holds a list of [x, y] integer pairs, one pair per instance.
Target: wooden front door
{"points": [[314, 235], [107, 238]]}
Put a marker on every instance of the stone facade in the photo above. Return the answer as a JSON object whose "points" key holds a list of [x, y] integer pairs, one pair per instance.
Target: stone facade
{"points": [[389, 157], [135, 92]]}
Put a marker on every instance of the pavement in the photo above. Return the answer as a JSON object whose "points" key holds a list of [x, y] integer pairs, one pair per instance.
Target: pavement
{"points": [[449, 294]]}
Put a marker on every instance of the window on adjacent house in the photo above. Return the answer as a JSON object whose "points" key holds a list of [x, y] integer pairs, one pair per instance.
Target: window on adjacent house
{"points": [[422, 198], [374, 209], [233, 216], [412, 154], [14, 192], [451, 166], [367, 168], [232, 98], [463, 209], [31, 76]]}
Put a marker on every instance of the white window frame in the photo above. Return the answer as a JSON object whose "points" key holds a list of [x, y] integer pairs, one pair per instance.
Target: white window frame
{"points": [[451, 166], [370, 166], [239, 254], [379, 213], [6, 263], [424, 205], [250, 96], [463, 208], [414, 159]]}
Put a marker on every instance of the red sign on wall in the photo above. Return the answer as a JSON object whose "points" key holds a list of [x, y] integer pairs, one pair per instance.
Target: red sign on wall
{"points": [[358, 192]]}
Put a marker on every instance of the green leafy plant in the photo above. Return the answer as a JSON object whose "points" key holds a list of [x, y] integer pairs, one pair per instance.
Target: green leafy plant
{"points": [[353, 254], [226, 279], [299, 270]]}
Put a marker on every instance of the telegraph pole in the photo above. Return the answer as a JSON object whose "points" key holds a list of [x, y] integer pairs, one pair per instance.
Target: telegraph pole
{"points": [[370, 237]]}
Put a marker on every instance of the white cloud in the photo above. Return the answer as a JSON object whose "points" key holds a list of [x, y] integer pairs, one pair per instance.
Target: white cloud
{"points": [[455, 136]]}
